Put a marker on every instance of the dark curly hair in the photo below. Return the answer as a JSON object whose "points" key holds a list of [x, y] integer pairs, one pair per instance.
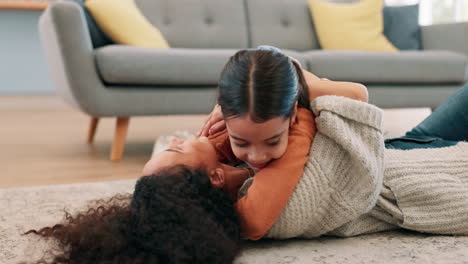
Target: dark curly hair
{"points": [[176, 216]]}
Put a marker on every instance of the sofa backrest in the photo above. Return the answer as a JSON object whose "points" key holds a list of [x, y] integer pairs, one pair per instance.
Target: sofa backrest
{"points": [[286, 24], [235, 24], [98, 38], [199, 23]]}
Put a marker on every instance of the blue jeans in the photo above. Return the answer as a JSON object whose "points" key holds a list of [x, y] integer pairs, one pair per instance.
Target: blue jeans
{"points": [[445, 127]]}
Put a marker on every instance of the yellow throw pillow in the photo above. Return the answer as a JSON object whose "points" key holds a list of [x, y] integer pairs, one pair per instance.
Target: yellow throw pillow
{"points": [[123, 22], [350, 26]]}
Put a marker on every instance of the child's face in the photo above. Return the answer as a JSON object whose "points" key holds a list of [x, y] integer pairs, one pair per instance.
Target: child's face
{"points": [[258, 143]]}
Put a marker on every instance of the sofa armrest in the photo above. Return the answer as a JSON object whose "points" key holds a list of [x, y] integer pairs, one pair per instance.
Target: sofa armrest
{"points": [[452, 37], [68, 49]]}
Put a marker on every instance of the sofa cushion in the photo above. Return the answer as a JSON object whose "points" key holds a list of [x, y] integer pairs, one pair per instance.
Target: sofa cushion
{"points": [[350, 26], [125, 24], [384, 67], [199, 23], [283, 24], [120, 64], [401, 26]]}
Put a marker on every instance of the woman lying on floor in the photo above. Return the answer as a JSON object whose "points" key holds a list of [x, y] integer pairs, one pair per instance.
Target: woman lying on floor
{"points": [[358, 150], [350, 185], [355, 183]]}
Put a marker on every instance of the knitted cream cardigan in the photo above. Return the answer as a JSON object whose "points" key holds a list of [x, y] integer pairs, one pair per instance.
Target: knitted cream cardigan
{"points": [[352, 185]]}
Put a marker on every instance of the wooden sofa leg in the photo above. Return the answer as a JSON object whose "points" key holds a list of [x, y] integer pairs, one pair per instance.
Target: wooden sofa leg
{"points": [[92, 129], [119, 138]]}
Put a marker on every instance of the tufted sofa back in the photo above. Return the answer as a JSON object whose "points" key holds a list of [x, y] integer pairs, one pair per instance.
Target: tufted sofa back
{"points": [[283, 23], [199, 23], [226, 24], [233, 23]]}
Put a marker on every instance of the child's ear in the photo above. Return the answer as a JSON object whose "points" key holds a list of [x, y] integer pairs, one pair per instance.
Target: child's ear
{"points": [[293, 118], [217, 177]]}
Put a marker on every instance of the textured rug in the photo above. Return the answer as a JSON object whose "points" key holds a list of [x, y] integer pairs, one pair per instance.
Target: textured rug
{"points": [[33, 207]]}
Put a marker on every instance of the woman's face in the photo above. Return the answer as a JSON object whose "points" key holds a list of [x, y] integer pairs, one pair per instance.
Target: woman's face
{"points": [[194, 153], [258, 143]]}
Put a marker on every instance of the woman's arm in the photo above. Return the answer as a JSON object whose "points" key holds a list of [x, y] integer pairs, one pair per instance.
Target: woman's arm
{"points": [[319, 87]]}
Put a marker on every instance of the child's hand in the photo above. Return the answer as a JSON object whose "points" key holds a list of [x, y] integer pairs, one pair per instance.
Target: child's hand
{"points": [[214, 123]]}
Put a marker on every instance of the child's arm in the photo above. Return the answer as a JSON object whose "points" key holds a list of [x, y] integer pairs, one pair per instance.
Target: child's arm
{"points": [[319, 87], [220, 141], [273, 185]]}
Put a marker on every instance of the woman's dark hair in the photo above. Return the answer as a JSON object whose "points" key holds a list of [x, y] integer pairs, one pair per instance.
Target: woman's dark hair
{"points": [[176, 216], [263, 84]]}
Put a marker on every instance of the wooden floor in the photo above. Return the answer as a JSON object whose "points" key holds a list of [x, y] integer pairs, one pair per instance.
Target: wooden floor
{"points": [[43, 141]]}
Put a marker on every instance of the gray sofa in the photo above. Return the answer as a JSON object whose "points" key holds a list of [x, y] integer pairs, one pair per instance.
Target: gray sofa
{"points": [[108, 80]]}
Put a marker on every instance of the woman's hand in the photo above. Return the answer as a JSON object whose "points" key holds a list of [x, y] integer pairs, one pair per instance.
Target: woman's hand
{"points": [[214, 123]]}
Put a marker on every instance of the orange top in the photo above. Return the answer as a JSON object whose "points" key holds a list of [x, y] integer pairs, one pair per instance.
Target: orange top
{"points": [[273, 185]]}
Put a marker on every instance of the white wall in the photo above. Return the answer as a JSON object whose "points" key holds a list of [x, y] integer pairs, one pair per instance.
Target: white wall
{"points": [[437, 11], [22, 64]]}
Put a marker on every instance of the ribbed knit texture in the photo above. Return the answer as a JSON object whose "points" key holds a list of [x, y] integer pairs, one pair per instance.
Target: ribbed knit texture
{"points": [[352, 185], [430, 188], [343, 176]]}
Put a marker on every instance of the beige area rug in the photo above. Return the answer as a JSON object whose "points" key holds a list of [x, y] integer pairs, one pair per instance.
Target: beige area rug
{"points": [[33, 207]]}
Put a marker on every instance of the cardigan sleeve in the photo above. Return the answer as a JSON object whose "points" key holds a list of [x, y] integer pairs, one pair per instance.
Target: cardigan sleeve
{"points": [[273, 185], [343, 176]]}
